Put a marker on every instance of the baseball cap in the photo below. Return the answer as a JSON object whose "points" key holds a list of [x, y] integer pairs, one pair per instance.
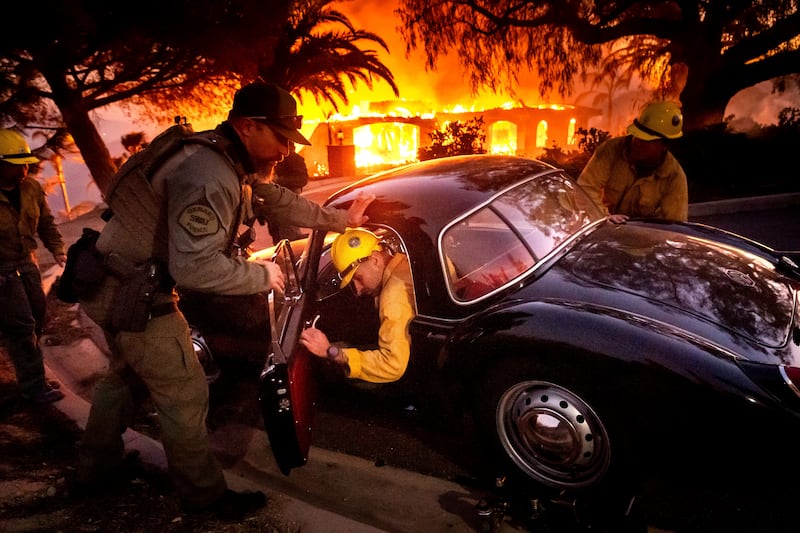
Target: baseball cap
{"points": [[272, 105]]}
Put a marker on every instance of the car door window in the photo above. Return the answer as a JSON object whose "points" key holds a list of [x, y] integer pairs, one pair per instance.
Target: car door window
{"points": [[546, 211]]}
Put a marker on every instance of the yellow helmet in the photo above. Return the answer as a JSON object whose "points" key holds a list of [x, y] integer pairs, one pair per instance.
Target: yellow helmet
{"points": [[659, 120], [350, 249], [14, 148]]}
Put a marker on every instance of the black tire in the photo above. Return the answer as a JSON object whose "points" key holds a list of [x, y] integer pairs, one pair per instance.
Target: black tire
{"points": [[543, 428]]}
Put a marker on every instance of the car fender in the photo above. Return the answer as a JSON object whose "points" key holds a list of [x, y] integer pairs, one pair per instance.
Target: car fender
{"points": [[598, 348]]}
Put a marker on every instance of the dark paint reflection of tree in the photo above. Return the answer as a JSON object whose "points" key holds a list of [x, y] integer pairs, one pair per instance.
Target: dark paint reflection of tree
{"points": [[478, 175], [699, 276], [547, 211]]}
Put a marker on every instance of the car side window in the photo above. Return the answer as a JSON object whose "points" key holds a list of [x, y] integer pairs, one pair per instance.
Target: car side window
{"points": [[506, 238], [482, 253], [546, 211]]}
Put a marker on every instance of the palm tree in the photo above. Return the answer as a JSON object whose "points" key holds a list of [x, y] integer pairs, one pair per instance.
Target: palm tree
{"points": [[319, 49]]}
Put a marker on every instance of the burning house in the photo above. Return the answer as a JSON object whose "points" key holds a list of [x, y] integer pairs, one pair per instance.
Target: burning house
{"points": [[389, 133]]}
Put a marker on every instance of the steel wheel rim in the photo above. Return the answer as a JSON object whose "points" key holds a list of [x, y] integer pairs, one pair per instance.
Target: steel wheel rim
{"points": [[552, 435]]}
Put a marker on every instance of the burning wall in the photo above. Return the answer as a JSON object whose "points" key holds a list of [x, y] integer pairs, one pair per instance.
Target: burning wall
{"points": [[353, 145]]}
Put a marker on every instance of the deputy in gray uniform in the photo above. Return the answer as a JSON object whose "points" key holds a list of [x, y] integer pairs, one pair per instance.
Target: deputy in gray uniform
{"points": [[198, 194]]}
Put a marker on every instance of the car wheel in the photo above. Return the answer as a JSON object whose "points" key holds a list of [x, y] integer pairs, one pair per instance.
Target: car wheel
{"points": [[548, 431]]}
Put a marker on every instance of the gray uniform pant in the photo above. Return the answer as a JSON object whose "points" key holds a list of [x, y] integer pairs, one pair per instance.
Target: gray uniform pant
{"points": [[163, 359]]}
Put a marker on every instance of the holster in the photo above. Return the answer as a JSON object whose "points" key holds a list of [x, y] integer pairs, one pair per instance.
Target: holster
{"points": [[133, 303]]}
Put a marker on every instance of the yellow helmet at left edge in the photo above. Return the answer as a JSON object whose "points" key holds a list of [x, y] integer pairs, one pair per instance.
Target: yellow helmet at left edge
{"points": [[14, 148]]}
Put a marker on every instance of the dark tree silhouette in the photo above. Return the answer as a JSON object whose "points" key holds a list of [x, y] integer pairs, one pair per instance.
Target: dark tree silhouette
{"points": [[319, 48], [84, 54], [707, 50]]}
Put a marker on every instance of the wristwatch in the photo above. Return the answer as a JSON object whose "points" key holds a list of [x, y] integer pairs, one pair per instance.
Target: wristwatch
{"points": [[333, 353]]}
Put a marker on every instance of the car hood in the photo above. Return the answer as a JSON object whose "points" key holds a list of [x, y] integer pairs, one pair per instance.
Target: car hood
{"points": [[737, 290]]}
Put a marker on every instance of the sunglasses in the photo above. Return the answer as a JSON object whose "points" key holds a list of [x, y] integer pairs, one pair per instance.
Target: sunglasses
{"points": [[287, 121]]}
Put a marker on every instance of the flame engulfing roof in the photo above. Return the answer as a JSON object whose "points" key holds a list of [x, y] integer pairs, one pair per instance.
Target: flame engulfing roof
{"points": [[389, 133]]}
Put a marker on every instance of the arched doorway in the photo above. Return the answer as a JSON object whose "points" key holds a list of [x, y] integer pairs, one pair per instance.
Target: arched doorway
{"points": [[503, 137], [385, 143]]}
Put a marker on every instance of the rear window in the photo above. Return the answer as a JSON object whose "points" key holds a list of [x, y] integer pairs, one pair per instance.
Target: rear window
{"points": [[498, 243]]}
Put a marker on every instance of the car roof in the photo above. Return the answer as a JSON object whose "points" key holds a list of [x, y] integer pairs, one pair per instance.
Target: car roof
{"points": [[418, 200], [440, 190]]}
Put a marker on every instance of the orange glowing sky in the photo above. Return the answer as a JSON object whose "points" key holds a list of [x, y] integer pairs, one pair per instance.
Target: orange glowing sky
{"points": [[443, 88], [447, 86]]}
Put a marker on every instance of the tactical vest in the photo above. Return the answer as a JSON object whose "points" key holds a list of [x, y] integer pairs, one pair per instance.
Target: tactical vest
{"points": [[131, 195]]}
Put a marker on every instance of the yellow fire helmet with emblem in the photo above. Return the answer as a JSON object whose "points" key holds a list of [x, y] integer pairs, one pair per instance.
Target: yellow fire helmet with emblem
{"points": [[14, 148], [659, 120], [352, 248]]}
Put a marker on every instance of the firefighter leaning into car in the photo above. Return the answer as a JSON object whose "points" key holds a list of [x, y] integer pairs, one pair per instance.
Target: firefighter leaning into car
{"points": [[24, 214], [367, 264], [635, 175], [199, 192]]}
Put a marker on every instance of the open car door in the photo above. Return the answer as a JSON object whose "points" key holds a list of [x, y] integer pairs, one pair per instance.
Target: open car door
{"points": [[287, 389]]}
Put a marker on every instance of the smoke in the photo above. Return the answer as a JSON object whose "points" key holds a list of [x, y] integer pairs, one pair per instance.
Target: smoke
{"points": [[759, 105]]}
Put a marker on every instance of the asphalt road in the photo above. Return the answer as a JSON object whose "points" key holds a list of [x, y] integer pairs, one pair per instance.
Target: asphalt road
{"points": [[778, 228]]}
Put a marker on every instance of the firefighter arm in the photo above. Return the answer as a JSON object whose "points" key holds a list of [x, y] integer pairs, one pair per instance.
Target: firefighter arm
{"points": [[594, 177], [48, 231], [389, 361], [675, 202]]}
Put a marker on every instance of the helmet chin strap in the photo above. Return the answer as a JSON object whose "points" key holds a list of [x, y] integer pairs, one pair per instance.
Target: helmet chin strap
{"points": [[648, 130]]}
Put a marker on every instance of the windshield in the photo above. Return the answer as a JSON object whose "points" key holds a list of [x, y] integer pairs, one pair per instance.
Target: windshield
{"points": [[501, 241]]}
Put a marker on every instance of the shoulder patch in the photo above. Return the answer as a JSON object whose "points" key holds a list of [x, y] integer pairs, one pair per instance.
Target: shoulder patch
{"points": [[199, 220]]}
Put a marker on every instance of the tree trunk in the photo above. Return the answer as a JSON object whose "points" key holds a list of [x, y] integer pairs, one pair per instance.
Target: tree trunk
{"points": [[88, 140], [700, 107], [94, 151], [708, 88]]}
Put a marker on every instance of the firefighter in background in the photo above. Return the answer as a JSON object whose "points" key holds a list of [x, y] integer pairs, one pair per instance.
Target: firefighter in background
{"points": [[292, 174], [636, 175], [24, 214], [374, 272]]}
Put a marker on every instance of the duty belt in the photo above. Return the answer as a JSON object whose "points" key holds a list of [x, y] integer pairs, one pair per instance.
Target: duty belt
{"points": [[9, 266], [123, 268]]}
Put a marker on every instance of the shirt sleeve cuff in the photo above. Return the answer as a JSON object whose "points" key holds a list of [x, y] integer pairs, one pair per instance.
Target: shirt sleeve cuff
{"points": [[353, 362]]}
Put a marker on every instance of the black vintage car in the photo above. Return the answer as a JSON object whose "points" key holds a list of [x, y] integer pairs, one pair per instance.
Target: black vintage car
{"points": [[582, 350]]}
